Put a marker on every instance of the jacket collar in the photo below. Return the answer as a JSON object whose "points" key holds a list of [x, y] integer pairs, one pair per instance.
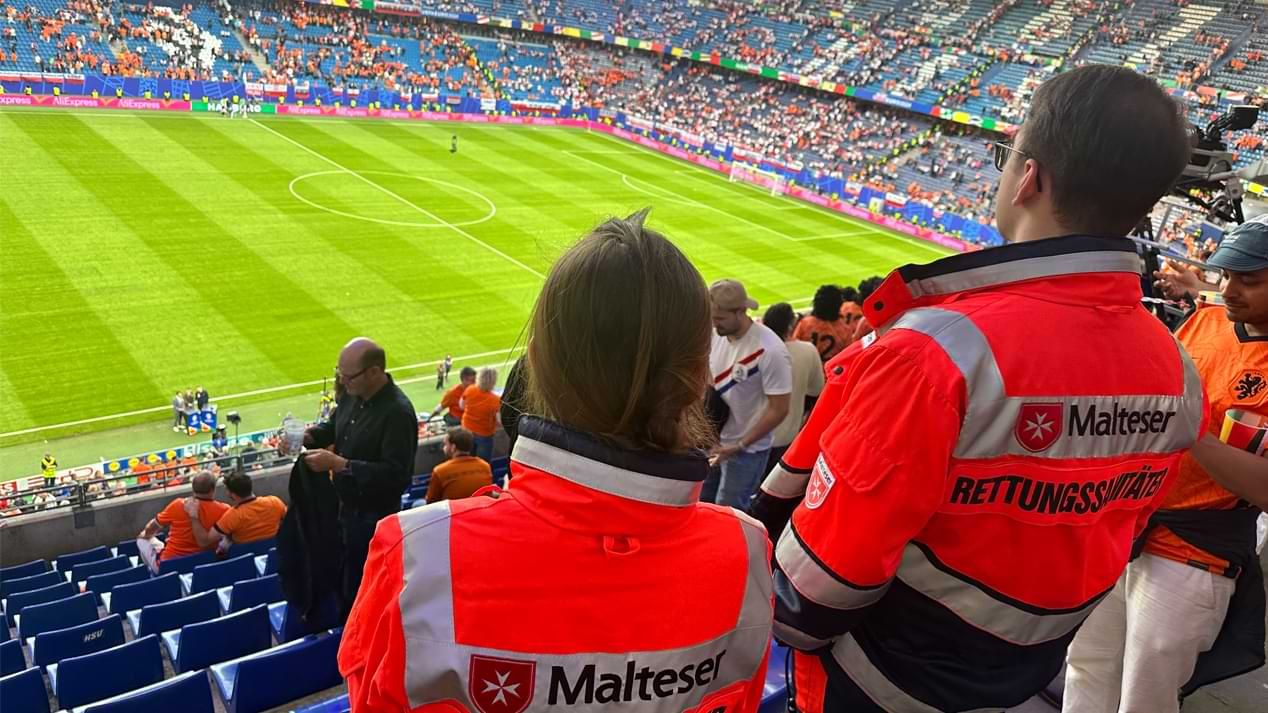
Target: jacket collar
{"points": [[580, 481], [1068, 256]]}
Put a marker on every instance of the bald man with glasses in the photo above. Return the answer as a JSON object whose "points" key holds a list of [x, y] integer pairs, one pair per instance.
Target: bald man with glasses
{"points": [[368, 447]]}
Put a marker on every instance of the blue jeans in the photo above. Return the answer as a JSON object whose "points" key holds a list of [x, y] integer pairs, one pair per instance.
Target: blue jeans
{"points": [[484, 448], [741, 474]]}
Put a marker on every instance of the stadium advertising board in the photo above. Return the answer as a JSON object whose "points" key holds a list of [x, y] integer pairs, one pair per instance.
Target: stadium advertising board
{"points": [[82, 102]]}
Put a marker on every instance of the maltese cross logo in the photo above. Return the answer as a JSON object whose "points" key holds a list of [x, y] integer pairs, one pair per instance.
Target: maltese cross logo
{"points": [[501, 685], [1038, 426]]}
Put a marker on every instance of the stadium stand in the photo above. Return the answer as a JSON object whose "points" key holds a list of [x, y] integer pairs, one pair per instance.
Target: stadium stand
{"points": [[133, 597], [198, 645], [78, 680], [19, 601], [188, 693], [20, 571], [89, 637], [36, 619], [11, 658], [24, 691], [167, 616], [218, 574]]}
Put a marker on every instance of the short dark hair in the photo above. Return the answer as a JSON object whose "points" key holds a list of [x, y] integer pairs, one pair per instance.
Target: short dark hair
{"points": [[462, 439], [868, 286], [374, 356], [468, 372], [827, 303], [779, 318], [1113, 141], [849, 294], [239, 484]]}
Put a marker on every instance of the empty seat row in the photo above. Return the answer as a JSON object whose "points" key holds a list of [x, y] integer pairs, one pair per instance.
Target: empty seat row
{"points": [[248, 684]]}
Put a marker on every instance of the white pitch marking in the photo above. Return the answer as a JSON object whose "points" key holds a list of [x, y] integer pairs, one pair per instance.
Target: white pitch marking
{"points": [[493, 209]]}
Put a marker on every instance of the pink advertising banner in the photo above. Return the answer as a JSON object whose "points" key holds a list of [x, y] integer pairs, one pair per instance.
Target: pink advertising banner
{"points": [[80, 102]]}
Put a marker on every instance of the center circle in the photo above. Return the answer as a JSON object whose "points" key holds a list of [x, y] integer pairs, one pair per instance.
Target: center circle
{"points": [[436, 222]]}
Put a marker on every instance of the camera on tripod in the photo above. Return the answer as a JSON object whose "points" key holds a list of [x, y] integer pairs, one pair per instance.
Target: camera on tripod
{"points": [[1211, 167]]}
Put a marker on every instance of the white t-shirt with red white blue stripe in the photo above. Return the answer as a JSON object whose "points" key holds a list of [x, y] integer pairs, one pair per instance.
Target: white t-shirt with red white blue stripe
{"points": [[744, 372]]}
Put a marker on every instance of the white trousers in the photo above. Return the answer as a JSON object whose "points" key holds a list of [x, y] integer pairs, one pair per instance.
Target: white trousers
{"points": [[1140, 644]]}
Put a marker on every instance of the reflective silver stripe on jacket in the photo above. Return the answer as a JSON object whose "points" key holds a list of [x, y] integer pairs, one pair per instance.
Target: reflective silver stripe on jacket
{"points": [[983, 611], [817, 584], [605, 478], [989, 429], [438, 668], [1028, 269], [783, 483], [880, 689]]}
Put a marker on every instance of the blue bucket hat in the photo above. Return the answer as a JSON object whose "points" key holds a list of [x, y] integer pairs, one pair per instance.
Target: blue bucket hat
{"points": [[1244, 248]]}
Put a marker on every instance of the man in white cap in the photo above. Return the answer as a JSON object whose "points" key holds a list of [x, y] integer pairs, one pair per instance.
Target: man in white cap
{"points": [[752, 372]]}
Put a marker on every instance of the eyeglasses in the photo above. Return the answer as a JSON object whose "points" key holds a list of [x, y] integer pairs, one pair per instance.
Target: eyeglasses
{"points": [[348, 378], [1002, 149]]}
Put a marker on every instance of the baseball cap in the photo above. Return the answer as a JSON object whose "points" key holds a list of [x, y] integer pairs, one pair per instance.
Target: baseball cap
{"points": [[1244, 248], [730, 295]]}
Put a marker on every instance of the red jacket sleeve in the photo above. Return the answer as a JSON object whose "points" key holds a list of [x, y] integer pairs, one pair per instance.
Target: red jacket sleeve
{"points": [[372, 652], [878, 478]]}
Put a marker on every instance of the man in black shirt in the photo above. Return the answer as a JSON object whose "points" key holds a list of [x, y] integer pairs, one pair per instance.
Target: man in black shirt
{"points": [[374, 435]]}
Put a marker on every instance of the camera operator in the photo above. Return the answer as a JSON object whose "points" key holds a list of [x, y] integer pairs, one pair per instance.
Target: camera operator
{"points": [[976, 470], [1142, 645]]}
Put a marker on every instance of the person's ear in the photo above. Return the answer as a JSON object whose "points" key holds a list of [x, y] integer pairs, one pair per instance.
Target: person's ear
{"points": [[1030, 185]]}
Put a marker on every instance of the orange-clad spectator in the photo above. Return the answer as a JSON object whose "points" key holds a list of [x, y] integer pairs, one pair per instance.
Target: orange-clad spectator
{"points": [[142, 471], [252, 518], [824, 327], [463, 473], [180, 536], [480, 411], [451, 402]]}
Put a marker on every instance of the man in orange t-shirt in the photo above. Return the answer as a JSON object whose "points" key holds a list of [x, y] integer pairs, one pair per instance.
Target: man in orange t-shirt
{"points": [[252, 518], [452, 400], [824, 327], [463, 474], [1199, 565], [180, 536]]}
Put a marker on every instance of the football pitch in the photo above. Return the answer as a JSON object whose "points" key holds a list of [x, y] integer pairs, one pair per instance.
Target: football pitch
{"points": [[145, 253]]}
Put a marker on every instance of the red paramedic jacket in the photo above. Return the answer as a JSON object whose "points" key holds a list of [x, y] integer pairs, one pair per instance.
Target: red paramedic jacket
{"points": [[974, 475], [597, 581]]}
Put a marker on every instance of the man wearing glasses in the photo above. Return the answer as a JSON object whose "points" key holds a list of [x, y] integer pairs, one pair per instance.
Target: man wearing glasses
{"points": [[372, 441], [969, 484]]}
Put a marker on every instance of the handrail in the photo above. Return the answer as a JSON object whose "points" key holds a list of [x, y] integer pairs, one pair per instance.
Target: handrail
{"points": [[80, 493]]}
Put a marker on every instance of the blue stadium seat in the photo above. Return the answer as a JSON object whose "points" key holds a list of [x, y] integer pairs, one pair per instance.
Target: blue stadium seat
{"points": [[57, 614], [287, 626], [4, 630], [196, 646], [775, 690], [9, 587], [53, 646], [187, 693], [100, 584], [26, 569], [127, 548], [157, 618], [16, 603], [219, 574], [24, 692], [67, 562], [266, 564], [339, 704], [250, 592], [273, 677], [11, 658], [79, 680], [258, 547], [84, 570], [186, 564], [127, 597]]}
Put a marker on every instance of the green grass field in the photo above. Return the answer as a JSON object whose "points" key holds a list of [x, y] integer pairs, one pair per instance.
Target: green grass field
{"points": [[140, 254]]}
